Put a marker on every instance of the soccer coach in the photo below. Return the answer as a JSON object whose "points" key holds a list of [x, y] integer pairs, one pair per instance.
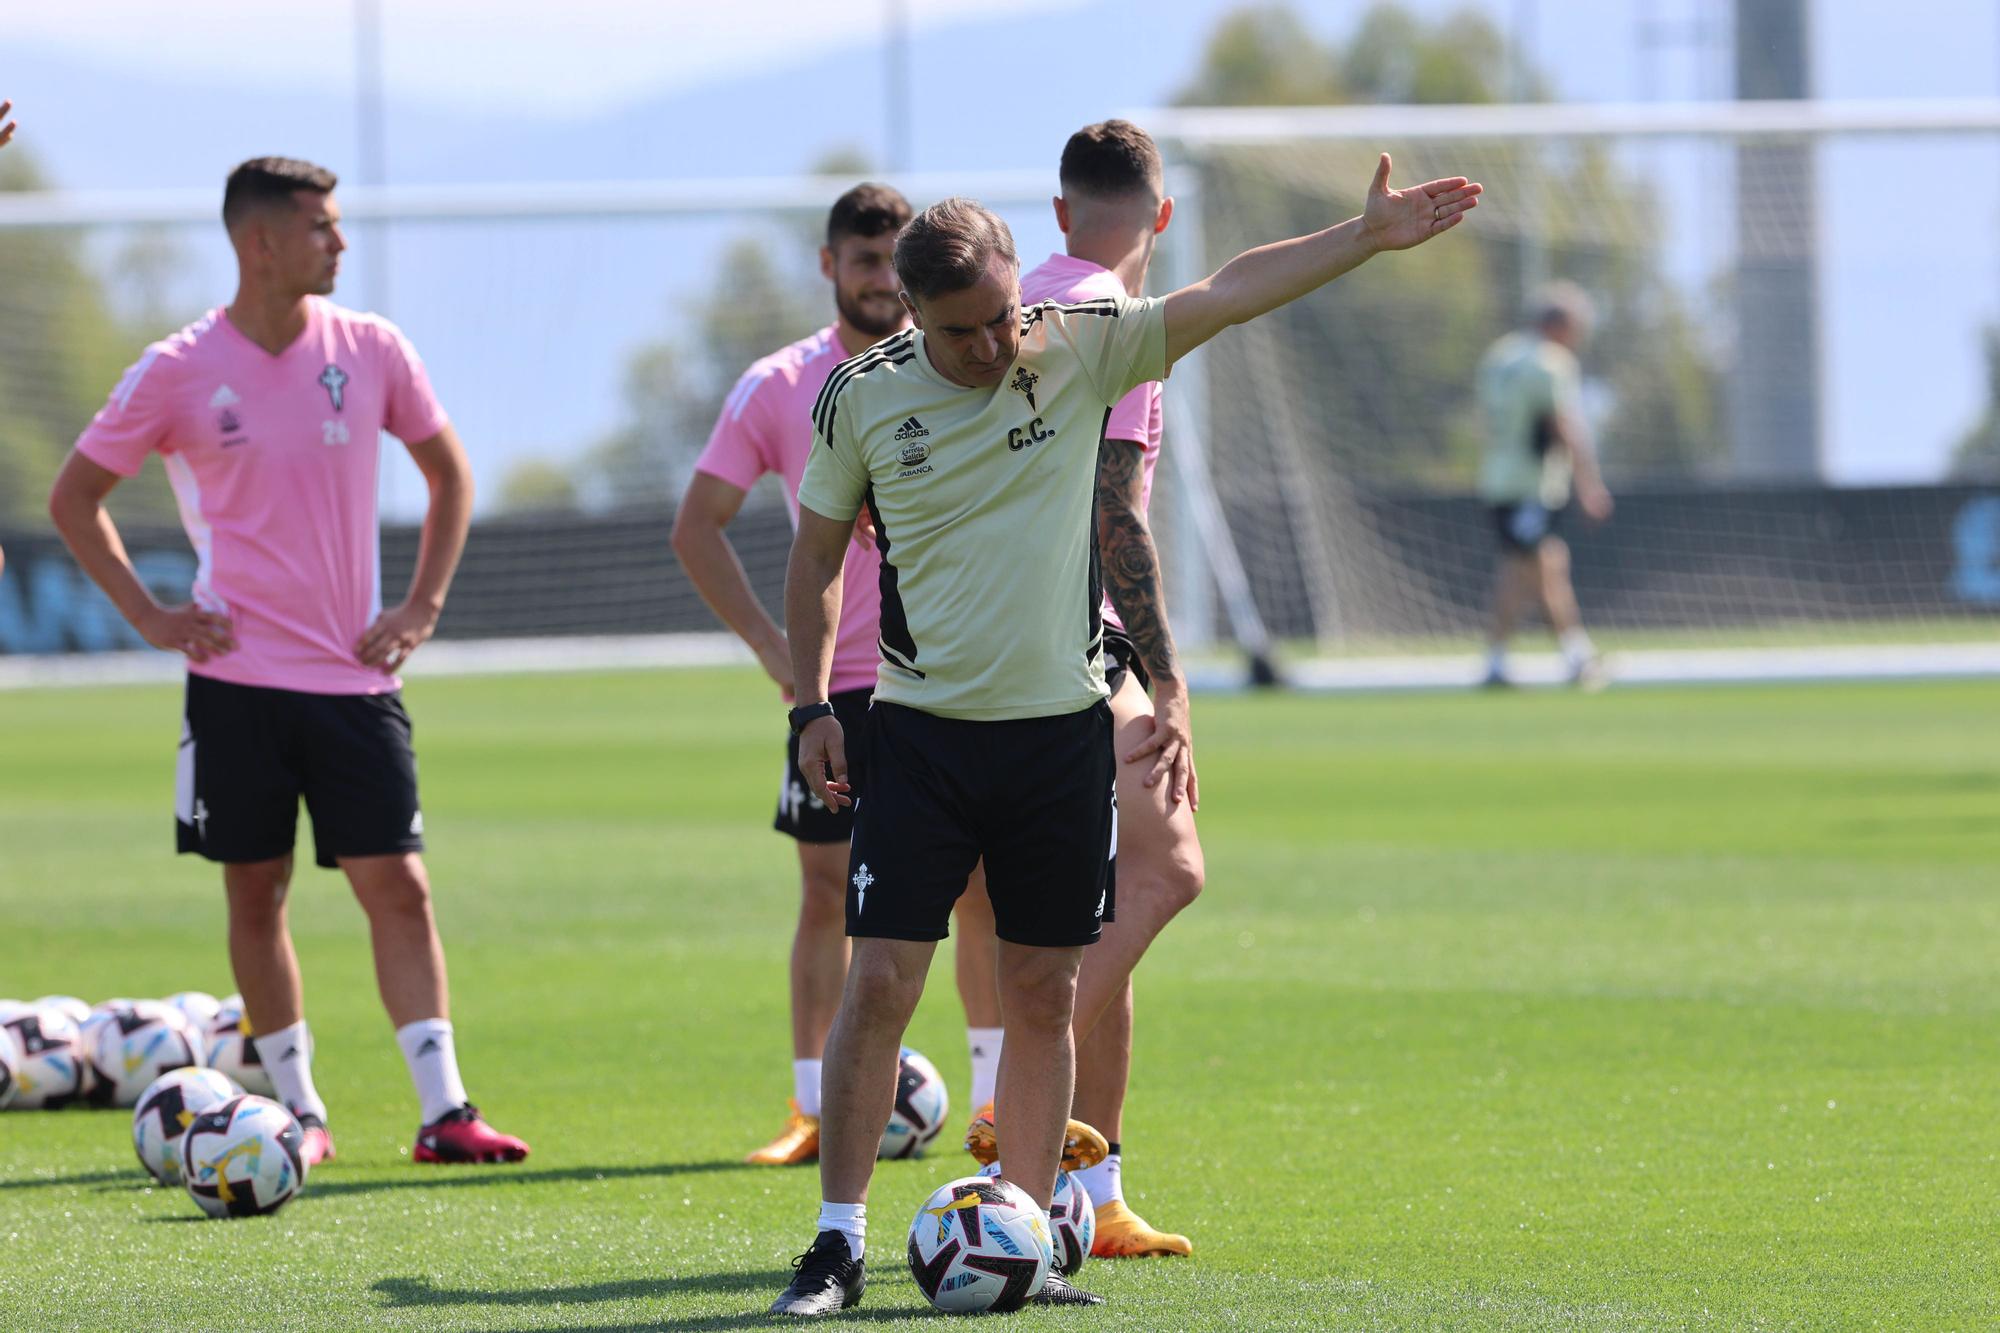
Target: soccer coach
{"points": [[972, 438]]}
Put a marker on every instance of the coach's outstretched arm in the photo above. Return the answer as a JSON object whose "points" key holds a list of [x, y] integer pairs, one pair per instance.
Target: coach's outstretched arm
{"points": [[1263, 279], [812, 612]]}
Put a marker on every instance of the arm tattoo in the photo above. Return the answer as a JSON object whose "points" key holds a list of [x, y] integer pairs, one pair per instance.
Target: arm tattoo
{"points": [[1131, 567]]}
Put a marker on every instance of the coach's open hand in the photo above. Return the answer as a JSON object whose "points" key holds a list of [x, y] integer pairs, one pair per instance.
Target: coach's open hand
{"points": [[823, 762], [188, 628], [1399, 219], [1171, 744], [396, 634]]}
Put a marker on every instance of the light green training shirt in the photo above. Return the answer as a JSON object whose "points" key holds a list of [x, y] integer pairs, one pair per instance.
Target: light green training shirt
{"points": [[984, 502], [1523, 380]]}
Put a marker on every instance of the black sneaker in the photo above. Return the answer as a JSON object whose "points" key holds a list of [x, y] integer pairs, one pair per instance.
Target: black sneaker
{"points": [[1058, 1291], [829, 1281]]}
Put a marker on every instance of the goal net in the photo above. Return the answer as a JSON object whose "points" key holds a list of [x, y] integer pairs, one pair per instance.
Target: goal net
{"points": [[1792, 381]]}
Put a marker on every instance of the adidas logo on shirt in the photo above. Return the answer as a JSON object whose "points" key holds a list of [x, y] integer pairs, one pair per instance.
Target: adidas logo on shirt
{"points": [[912, 429]]}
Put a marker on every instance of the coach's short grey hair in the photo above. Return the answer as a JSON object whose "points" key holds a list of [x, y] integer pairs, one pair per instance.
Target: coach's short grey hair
{"points": [[1563, 303], [948, 247]]}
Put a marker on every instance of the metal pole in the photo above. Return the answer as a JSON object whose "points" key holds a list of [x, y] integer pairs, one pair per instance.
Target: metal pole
{"points": [[371, 138], [896, 53]]}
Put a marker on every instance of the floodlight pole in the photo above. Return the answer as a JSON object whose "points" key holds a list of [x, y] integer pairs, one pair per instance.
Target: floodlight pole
{"points": [[371, 140], [896, 57]]}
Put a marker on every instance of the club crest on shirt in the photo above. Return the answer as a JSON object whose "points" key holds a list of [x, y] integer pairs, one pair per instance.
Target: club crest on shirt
{"points": [[1024, 384], [335, 381]]}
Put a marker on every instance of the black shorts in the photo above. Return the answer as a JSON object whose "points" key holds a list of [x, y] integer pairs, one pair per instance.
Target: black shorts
{"points": [[1121, 659], [1036, 797], [1525, 526], [800, 813], [249, 753]]}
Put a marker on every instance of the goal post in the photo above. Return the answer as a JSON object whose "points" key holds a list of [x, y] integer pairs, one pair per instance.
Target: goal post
{"points": [[1835, 506]]}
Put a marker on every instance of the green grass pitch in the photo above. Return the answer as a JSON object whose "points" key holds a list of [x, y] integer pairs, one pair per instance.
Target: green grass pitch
{"points": [[1650, 1010]]}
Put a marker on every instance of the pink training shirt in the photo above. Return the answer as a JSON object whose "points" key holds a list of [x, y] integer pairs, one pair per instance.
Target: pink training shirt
{"points": [[766, 426], [274, 460], [1137, 417]]}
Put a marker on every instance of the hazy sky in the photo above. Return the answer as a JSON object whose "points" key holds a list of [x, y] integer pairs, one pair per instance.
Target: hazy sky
{"points": [[134, 92]]}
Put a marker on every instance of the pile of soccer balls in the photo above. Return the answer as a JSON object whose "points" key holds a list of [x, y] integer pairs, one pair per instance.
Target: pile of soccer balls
{"points": [[183, 1064], [980, 1243]]}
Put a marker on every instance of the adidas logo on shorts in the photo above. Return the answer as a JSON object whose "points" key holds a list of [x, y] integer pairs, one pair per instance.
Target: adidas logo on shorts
{"points": [[912, 429]]}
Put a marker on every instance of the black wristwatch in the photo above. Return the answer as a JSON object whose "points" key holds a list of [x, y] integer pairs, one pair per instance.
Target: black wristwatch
{"points": [[806, 714]]}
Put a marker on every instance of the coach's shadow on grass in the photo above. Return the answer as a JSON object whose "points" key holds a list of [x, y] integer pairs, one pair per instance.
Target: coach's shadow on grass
{"points": [[426, 1178], [405, 1293]]}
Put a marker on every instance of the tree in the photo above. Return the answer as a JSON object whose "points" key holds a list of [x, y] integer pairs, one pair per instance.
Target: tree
{"points": [[61, 350], [1394, 338], [1977, 457], [767, 292]]}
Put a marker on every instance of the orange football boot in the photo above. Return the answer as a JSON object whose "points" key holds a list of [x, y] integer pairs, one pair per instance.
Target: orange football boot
{"points": [[1123, 1234], [797, 1145], [1082, 1145]]}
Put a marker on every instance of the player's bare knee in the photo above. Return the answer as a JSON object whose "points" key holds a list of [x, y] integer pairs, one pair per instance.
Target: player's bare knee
{"points": [[1183, 877], [392, 887], [880, 989], [257, 892], [822, 897]]}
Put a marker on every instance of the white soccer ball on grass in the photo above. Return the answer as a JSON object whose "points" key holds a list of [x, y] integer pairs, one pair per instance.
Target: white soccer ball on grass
{"points": [[138, 1042], [52, 1068], [231, 1050], [165, 1111], [921, 1107], [980, 1244], [241, 1159]]}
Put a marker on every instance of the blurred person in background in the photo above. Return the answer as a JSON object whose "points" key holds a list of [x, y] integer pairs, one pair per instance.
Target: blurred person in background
{"points": [[268, 416], [1536, 450]]}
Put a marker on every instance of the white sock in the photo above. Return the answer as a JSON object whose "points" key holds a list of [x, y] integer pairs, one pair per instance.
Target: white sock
{"points": [[287, 1057], [850, 1220], [1577, 647], [433, 1061], [1103, 1182], [805, 1086], [984, 1044]]}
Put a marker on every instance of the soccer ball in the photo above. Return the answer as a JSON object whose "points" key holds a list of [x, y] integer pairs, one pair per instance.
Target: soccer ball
{"points": [[100, 1013], [199, 1006], [10, 1063], [76, 1009], [241, 1159], [137, 1043], [231, 1050], [165, 1110], [1072, 1223], [921, 1106], [1072, 1219], [51, 1071], [980, 1244]]}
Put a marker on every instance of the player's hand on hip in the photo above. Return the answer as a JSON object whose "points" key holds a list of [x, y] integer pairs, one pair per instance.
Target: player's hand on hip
{"points": [[396, 634], [1170, 746], [776, 659], [1596, 502], [191, 630], [823, 762], [1399, 219]]}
